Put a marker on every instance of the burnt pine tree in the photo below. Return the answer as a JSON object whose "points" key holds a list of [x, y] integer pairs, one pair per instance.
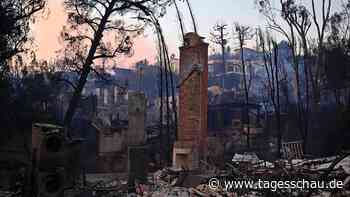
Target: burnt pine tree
{"points": [[269, 49], [321, 27], [293, 22], [218, 36], [91, 23], [300, 17], [244, 33], [336, 56], [15, 19]]}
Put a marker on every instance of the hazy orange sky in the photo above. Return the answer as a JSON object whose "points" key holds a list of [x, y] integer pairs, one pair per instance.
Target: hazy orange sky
{"points": [[46, 31], [207, 13]]}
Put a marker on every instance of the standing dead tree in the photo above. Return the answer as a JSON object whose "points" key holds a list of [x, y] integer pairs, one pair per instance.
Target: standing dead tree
{"points": [[299, 17], [336, 54], [91, 23], [167, 74], [269, 50], [219, 37], [321, 26], [287, 28], [243, 34]]}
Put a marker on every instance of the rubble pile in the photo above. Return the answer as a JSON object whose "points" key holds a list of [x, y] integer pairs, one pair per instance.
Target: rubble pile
{"points": [[98, 186], [169, 182], [165, 184], [250, 167]]}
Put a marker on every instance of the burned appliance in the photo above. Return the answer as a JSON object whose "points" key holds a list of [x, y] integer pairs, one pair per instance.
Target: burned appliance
{"points": [[56, 160]]}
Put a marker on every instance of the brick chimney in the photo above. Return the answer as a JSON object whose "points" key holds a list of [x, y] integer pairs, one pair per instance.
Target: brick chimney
{"points": [[191, 144]]}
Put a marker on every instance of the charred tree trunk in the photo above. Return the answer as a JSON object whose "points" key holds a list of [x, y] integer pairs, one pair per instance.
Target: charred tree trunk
{"points": [[168, 137], [180, 21], [86, 70], [307, 69], [172, 86], [246, 95], [277, 104], [270, 59], [192, 16], [223, 43], [299, 105], [161, 143]]}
